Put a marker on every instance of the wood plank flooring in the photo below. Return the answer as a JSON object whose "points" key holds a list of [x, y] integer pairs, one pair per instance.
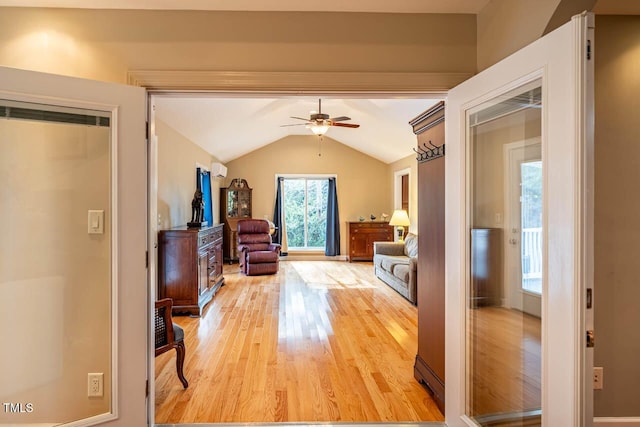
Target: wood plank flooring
{"points": [[506, 366], [318, 342]]}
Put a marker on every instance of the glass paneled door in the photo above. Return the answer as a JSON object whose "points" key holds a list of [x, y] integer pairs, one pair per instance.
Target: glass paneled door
{"points": [[73, 283], [519, 214]]}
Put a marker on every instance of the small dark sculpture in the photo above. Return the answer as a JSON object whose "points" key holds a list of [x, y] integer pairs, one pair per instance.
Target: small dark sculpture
{"points": [[197, 210], [372, 217]]}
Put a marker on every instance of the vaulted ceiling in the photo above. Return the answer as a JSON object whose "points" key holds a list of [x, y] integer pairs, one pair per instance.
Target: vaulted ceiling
{"points": [[231, 127]]}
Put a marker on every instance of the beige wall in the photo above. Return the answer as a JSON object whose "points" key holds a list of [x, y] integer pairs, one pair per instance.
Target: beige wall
{"points": [[55, 278], [362, 181], [105, 44], [410, 163], [617, 213], [178, 158], [504, 26], [489, 142]]}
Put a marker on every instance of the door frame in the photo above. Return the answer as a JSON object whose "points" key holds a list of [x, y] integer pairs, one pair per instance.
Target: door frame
{"points": [[568, 259], [261, 85]]}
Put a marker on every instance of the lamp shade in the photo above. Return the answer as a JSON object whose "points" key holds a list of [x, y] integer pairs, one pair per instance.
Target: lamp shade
{"points": [[319, 129], [400, 218]]}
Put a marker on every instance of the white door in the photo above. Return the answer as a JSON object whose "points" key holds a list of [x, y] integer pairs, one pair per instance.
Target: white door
{"points": [[73, 279], [504, 366]]}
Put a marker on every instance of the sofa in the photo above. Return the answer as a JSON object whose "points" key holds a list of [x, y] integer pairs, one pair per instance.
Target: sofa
{"points": [[396, 264]]}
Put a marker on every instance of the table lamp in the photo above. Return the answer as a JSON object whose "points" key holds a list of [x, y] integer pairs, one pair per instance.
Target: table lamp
{"points": [[400, 219]]}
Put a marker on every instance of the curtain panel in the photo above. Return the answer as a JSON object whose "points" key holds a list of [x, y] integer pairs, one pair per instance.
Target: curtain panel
{"points": [[333, 221]]}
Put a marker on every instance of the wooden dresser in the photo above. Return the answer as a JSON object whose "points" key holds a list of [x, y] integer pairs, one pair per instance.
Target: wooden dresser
{"points": [[430, 363], [363, 234], [190, 267]]}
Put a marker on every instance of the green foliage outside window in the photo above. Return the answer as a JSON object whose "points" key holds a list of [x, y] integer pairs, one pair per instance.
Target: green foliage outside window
{"points": [[305, 208]]}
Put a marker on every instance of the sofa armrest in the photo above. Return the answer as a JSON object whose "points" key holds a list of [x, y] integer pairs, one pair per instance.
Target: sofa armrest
{"points": [[413, 263], [388, 248]]}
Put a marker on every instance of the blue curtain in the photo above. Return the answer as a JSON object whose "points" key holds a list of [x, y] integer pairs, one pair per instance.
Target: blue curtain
{"points": [[204, 183], [277, 213], [333, 221]]}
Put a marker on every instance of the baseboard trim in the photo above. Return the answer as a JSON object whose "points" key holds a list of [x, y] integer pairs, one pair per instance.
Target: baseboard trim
{"points": [[616, 421], [313, 258]]}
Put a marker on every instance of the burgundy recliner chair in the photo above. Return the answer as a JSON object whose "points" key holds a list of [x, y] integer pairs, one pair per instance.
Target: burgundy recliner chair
{"points": [[257, 254]]}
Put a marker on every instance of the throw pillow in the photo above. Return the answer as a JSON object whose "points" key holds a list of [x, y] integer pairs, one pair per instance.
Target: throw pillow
{"points": [[411, 245]]}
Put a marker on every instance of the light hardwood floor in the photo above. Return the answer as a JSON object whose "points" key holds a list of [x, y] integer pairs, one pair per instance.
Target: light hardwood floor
{"points": [[319, 341], [506, 366]]}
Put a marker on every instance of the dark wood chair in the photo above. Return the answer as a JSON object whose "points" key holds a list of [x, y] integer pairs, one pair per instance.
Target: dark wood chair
{"points": [[169, 335]]}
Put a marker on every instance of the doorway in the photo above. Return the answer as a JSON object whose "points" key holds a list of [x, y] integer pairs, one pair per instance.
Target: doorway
{"points": [[523, 208], [259, 209]]}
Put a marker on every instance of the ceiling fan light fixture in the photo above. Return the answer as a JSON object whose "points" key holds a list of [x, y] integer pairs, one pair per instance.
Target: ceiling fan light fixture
{"points": [[319, 129]]}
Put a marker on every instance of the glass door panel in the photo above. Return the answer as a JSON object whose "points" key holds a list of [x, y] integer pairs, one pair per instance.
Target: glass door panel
{"points": [[503, 339], [55, 263]]}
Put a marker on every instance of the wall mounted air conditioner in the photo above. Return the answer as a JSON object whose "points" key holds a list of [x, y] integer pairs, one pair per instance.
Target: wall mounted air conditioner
{"points": [[218, 170]]}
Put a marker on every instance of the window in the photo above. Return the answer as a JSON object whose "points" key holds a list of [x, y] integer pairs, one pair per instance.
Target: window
{"points": [[203, 182], [305, 212], [531, 220]]}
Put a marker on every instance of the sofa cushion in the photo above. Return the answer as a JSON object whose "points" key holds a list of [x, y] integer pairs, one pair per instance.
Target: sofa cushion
{"points": [[411, 245], [401, 271], [388, 262]]}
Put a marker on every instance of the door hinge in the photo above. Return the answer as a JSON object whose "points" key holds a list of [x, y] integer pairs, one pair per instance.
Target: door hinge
{"points": [[591, 339], [146, 389], [146, 259], [589, 298], [588, 50], [146, 130]]}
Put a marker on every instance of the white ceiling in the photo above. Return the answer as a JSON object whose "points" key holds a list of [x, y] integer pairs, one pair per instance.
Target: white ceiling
{"points": [[603, 7], [231, 127], [383, 6]]}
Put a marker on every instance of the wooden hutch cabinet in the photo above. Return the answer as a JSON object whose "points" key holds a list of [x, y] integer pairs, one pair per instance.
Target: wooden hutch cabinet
{"points": [[190, 267], [429, 366], [363, 234], [235, 204]]}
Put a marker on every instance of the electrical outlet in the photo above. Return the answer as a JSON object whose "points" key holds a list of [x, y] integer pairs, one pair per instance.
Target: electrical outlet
{"points": [[95, 385], [598, 378]]}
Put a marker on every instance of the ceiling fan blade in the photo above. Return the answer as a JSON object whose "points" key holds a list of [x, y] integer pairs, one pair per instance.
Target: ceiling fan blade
{"points": [[295, 124], [340, 119], [345, 125], [299, 118]]}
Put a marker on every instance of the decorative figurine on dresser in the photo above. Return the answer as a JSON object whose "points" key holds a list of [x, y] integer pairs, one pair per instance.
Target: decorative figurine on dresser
{"points": [[197, 210], [235, 204]]}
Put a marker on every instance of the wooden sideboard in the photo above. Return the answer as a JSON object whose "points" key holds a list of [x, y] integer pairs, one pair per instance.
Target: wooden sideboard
{"points": [[190, 267], [362, 235]]}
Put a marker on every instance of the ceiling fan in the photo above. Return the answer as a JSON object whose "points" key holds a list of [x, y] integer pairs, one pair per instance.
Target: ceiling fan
{"points": [[319, 122]]}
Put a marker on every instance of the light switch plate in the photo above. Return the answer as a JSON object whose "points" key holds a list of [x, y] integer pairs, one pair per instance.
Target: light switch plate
{"points": [[95, 222]]}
